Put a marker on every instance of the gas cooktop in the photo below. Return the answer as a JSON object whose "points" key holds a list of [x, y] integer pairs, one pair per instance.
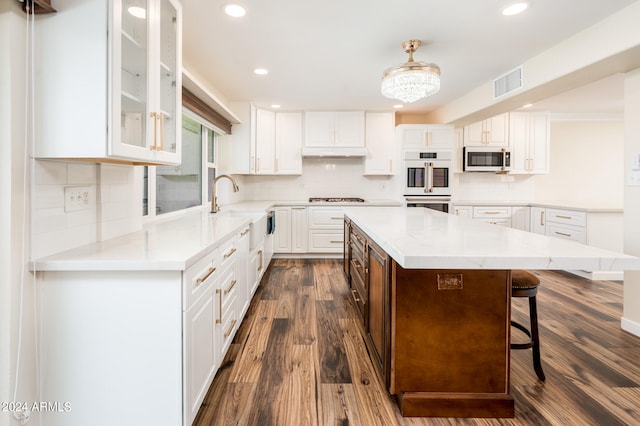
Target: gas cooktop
{"points": [[336, 200]]}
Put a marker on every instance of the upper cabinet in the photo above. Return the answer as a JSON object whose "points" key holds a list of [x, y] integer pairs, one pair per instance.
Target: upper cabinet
{"points": [[381, 146], [493, 131], [329, 130], [529, 141], [122, 101], [267, 143], [422, 136]]}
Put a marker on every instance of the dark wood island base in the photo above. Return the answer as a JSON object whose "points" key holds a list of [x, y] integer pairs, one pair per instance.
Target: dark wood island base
{"points": [[439, 338]]}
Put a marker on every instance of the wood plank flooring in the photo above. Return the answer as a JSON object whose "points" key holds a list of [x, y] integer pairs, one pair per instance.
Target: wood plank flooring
{"points": [[299, 358]]}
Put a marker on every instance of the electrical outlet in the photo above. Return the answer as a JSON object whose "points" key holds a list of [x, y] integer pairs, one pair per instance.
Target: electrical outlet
{"points": [[78, 198]]}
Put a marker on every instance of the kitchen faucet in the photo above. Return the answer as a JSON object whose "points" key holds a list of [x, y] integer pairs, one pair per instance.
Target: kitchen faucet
{"points": [[214, 199]]}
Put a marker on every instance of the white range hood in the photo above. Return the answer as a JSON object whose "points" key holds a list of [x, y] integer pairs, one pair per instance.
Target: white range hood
{"points": [[334, 152]]}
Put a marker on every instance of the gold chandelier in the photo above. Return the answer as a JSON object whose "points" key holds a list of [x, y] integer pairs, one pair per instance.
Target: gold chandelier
{"points": [[412, 80]]}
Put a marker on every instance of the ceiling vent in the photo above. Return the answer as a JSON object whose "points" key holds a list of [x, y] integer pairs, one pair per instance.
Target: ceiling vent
{"points": [[507, 83]]}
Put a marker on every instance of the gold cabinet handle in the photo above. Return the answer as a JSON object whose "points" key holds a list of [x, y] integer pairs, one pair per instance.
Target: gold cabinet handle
{"points": [[228, 332], [219, 320], [491, 212], [336, 241], [231, 286], [227, 255], [260, 265], [245, 232], [541, 218], [354, 294], [560, 216], [205, 276], [563, 234], [155, 130], [336, 218]]}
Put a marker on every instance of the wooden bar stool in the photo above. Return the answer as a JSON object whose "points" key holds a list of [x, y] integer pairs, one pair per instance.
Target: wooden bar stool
{"points": [[525, 284]]}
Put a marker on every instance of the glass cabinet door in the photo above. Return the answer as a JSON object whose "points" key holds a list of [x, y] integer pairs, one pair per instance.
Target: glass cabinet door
{"points": [[134, 83], [168, 78]]}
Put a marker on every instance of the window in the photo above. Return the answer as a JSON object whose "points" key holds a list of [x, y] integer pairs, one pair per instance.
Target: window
{"points": [[170, 189]]}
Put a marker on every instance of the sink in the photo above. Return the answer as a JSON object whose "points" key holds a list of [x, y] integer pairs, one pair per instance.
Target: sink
{"points": [[258, 226]]}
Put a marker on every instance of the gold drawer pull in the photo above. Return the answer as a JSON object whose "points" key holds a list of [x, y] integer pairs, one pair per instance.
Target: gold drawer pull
{"points": [[228, 332], [560, 216], [219, 320], [336, 241], [563, 234], [227, 255], [245, 232], [205, 276], [231, 286], [337, 218], [354, 293], [491, 212]]}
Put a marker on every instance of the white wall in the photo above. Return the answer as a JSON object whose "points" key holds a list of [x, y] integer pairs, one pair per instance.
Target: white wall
{"points": [[479, 186], [586, 163], [12, 218], [631, 307]]}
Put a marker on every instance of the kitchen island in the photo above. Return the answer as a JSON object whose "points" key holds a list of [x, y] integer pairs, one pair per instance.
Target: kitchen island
{"points": [[434, 293]]}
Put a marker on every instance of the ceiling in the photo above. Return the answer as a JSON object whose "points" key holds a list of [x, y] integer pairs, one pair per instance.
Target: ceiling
{"points": [[330, 54]]}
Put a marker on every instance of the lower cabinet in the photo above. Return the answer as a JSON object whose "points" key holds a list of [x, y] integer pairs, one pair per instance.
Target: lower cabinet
{"points": [[154, 337], [368, 270], [325, 229], [291, 230]]}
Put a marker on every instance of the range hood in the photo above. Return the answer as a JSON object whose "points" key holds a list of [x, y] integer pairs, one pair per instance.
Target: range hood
{"points": [[334, 151]]}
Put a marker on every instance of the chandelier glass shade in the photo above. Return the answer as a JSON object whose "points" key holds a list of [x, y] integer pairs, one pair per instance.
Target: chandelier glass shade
{"points": [[412, 80]]}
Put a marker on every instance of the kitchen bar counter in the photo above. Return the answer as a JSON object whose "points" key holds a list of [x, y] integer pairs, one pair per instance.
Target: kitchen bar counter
{"points": [[436, 308], [426, 239]]}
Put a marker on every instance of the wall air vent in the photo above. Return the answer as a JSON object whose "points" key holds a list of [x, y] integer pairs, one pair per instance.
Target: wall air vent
{"points": [[507, 83]]}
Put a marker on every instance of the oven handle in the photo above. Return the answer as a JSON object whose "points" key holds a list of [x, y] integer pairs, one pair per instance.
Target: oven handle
{"points": [[429, 176], [430, 199]]}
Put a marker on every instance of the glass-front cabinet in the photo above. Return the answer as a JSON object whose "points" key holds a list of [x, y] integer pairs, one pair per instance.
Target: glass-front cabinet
{"points": [[135, 84]]}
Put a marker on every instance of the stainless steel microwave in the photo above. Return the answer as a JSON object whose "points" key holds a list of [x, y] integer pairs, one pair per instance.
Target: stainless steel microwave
{"points": [[486, 159]]}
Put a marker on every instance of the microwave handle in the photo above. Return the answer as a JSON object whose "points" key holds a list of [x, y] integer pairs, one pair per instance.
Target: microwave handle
{"points": [[504, 159]]}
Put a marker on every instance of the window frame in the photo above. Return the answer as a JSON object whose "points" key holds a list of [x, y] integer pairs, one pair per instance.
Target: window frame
{"points": [[205, 165]]}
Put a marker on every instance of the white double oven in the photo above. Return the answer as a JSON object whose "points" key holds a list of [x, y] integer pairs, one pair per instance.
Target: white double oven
{"points": [[428, 176]]}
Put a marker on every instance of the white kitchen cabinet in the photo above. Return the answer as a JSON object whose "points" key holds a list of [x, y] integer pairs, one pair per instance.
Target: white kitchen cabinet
{"points": [[496, 215], [331, 129], [537, 220], [257, 267], [529, 142], [266, 143], [288, 143], [380, 143], [493, 131], [326, 229], [464, 211], [567, 224], [520, 217], [423, 136], [122, 102], [291, 230]]}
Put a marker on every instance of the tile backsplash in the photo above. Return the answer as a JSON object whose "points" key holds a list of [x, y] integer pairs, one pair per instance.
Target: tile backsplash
{"points": [[114, 206]]}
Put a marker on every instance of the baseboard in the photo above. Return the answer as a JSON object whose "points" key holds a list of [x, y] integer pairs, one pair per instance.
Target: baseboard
{"points": [[630, 326], [599, 275]]}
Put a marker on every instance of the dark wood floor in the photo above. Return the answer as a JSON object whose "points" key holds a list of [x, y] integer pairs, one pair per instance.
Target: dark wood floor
{"points": [[299, 359]]}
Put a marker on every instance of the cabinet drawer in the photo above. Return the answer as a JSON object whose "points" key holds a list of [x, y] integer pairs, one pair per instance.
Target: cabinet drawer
{"points": [[227, 285], [326, 241], [325, 218], [497, 221], [568, 232], [568, 217], [199, 278], [227, 252], [358, 294], [491, 212]]}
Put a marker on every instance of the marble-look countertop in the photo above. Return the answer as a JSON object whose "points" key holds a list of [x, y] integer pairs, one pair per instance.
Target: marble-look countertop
{"points": [[589, 207], [427, 239], [171, 244], [268, 204]]}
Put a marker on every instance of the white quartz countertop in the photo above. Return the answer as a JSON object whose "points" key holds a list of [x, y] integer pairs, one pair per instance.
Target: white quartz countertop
{"points": [[172, 244], [268, 204], [427, 239], [589, 207]]}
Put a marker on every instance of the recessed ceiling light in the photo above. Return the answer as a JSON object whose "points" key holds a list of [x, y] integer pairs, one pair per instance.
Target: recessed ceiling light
{"points": [[235, 10], [260, 71], [138, 12], [398, 106], [275, 106], [515, 8]]}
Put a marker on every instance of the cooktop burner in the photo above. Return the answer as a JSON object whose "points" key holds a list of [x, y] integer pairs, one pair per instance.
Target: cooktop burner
{"points": [[336, 200]]}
